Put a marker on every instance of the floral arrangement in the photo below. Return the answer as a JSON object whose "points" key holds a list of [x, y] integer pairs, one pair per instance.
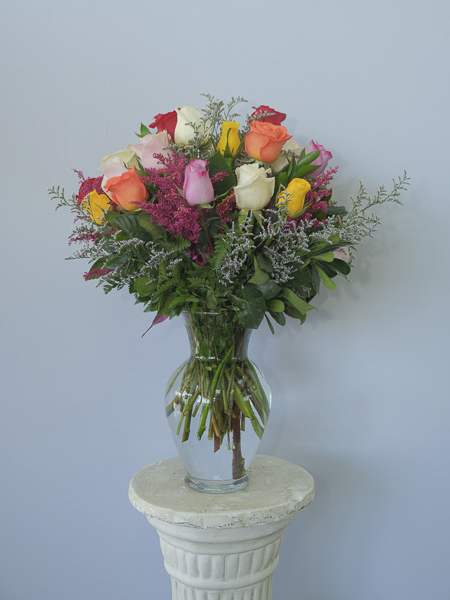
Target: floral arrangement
{"points": [[206, 216]]}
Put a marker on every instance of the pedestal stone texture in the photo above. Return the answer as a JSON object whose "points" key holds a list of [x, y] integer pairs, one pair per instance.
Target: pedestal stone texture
{"points": [[226, 546]]}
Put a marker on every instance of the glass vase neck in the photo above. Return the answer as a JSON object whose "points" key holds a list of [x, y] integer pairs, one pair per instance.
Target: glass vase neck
{"points": [[216, 336]]}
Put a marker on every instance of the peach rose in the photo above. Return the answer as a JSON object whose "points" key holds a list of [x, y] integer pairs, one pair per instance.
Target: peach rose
{"points": [[264, 141], [127, 189]]}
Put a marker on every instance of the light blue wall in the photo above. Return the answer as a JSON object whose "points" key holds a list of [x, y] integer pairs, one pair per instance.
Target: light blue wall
{"points": [[360, 391]]}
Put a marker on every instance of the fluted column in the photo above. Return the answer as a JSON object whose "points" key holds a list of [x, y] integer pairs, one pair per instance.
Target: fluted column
{"points": [[222, 547]]}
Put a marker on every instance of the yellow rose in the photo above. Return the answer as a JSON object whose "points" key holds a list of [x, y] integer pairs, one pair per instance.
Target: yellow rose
{"points": [[294, 195], [95, 204], [230, 133]]}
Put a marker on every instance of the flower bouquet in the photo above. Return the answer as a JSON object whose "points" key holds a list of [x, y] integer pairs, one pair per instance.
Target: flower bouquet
{"points": [[229, 226]]}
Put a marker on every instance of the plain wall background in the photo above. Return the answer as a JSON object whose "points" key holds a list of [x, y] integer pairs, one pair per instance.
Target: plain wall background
{"points": [[360, 391]]}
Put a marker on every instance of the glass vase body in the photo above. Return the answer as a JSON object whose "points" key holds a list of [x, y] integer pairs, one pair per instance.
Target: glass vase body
{"points": [[217, 404]]}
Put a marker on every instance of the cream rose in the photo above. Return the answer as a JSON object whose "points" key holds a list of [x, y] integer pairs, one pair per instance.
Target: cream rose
{"points": [[254, 188], [282, 160], [183, 131], [126, 157]]}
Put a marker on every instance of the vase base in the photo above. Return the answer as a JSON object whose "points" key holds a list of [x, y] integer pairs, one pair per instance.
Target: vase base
{"points": [[220, 486]]}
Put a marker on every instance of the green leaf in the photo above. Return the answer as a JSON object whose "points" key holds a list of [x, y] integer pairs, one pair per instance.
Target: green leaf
{"points": [[260, 277], [99, 264], [144, 286], [276, 306], [333, 247], [341, 211], [129, 224], [280, 180], [325, 256], [144, 130], [239, 149], [269, 323], [217, 164], [270, 289], [326, 268], [325, 279], [220, 251], [253, 307], [315, 279], [116, 261], [264, 263], [295, 314], [291, 168], [306, 159], [145, 221], [302, 155], [304, 170], [298, 303], [302, 277], [278, 317], [341, 266]]}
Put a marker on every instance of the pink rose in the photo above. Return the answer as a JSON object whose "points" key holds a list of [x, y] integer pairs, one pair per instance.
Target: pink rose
{"points": [[151, 144], [322, 161], [342, 253], [197, 187]]}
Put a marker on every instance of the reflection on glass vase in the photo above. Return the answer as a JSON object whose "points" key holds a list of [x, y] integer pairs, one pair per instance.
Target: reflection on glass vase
{"points": [[217, 404]]}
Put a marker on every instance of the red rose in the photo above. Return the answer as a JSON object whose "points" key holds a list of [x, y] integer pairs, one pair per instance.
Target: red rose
{"points": [[275, 119], [166, 122]]}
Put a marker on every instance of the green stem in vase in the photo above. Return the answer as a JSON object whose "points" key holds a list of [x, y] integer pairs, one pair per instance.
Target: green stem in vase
{"points": [[188, 406], [202, 424], [238, 461], [175, 375], [218, 371], [187, 427]]}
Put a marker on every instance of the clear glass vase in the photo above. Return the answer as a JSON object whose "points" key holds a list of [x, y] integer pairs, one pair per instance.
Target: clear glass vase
{"points": [[217, 404]]}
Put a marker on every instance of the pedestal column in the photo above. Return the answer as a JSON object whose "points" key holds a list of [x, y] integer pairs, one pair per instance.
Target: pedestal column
{"points": [[222, 547]]}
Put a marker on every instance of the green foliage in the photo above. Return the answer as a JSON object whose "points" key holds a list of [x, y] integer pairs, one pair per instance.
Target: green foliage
{"points": [[145, 222], [217, 164], [252, 307]]}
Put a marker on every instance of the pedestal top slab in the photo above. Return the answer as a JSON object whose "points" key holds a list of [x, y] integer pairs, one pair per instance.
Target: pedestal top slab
{"points": [[277, 490]]}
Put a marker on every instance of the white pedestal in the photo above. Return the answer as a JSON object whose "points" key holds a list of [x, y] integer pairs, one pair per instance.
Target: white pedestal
{"points": [[222, 547]]}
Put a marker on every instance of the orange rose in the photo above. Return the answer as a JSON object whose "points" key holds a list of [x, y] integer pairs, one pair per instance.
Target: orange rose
{"points": [[264, 141], [127, 189]]}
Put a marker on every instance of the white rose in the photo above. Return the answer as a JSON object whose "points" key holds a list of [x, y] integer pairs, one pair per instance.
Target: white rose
{"points": [[282, 161], [126, 157], [254, 188], [183, 131], [153, 143]]}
